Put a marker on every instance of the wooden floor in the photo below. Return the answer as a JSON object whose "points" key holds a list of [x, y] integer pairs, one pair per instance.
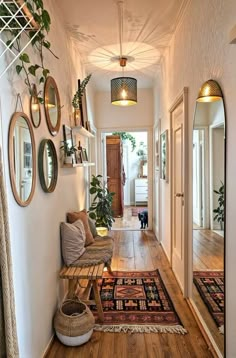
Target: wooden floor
{"points": [[139, 250], [128, 221], [208, 254]]}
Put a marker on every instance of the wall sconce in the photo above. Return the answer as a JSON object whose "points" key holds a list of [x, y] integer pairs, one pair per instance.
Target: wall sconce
{"points": [[210, 92]]}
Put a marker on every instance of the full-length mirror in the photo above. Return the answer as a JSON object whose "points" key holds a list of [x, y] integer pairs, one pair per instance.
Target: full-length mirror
{"points": [[35, 110], [209, 209], [22, 160], [48, 165], [52, 106]]}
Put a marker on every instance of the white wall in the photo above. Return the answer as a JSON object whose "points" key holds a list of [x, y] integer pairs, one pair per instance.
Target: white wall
{"points": [[34, 229], [138, 116], [200, 51]]}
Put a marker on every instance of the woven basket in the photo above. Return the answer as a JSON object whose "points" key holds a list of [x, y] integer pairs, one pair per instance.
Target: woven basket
{"points": [[73, 322]]}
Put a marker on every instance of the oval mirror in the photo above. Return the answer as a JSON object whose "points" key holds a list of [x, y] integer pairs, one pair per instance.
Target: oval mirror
{"points": [[22, 158], [52, 106], [209, 158], [35, 111], [48, 165]]}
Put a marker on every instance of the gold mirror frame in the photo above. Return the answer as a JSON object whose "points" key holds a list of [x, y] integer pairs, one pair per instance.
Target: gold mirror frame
{"points": [[52, 186], [34, 102], [50, 82], [17, 197]]}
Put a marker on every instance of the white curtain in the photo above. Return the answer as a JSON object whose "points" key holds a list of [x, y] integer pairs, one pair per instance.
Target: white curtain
{"points": [[8, 334]]}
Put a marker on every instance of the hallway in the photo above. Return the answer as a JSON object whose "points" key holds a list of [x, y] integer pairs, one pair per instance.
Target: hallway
{"points": [[139, 250]]}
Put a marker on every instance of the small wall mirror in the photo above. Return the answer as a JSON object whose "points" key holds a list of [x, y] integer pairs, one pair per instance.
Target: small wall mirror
{"points": [[47, 165], [35, 111], [52, 106], [22, 158], [209, 209]]}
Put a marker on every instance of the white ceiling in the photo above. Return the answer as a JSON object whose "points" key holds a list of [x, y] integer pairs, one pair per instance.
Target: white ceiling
{"points": [[148, 26]]}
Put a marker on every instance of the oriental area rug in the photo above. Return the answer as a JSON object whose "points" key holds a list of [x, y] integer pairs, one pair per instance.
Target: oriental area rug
{"points": [[210, 285], [136, 302]]}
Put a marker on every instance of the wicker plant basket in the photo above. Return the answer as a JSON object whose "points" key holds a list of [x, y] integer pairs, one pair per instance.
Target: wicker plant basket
{"points": [[73, 322]]}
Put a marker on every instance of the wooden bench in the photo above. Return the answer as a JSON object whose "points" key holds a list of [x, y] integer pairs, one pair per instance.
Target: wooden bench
{"points": [[90, 273]]}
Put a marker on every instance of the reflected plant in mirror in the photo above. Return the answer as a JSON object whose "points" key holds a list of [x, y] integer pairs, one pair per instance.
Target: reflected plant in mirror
{"points": [[209, 160], [22, 161]]}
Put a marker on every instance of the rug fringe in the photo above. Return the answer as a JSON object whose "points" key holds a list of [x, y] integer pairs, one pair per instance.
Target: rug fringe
{"points": [[222, 329], [140, 328]]}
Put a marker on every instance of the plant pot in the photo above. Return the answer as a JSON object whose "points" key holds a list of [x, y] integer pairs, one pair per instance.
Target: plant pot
{"points": [[70, 159]]}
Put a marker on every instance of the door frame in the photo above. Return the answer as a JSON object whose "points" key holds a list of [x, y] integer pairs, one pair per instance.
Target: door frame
{"points": [[183, 97]]}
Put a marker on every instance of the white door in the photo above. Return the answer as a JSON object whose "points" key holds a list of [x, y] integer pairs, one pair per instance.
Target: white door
{"points": [[179, 244], [127, 179], [197, 178]]}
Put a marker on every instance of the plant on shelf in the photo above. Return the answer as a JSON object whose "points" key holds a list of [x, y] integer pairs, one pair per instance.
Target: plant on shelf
{"points": [[100, 209], [220, 210], [16, 42], [142, 151], [127, 136], [69, 152], [77, 99]]}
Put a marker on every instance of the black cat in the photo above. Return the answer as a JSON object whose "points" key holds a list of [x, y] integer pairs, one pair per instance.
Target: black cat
{"points": [[143, 217]]}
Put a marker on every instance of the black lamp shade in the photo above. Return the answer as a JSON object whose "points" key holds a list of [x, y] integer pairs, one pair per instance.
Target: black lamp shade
{"points": [[124, 91]]}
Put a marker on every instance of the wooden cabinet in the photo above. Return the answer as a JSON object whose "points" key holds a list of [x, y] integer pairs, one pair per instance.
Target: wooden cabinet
{"points": [[114, 172], [141, 191]]}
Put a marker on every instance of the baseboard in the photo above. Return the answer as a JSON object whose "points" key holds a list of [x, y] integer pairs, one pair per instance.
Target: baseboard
{"points": [[48, 347], [204, 330], [164, 249]]}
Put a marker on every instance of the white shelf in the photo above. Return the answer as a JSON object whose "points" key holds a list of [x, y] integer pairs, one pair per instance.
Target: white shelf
{"points": [[85, 164], [81, 130]]}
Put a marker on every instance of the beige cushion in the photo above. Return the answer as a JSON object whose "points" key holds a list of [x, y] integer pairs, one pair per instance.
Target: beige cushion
{"points": [[82, 215], [92, 227], [73, 241]]}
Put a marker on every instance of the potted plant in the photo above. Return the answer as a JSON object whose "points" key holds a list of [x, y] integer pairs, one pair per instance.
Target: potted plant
{"points": [[100, 209], [69, 152], [220, 210]]}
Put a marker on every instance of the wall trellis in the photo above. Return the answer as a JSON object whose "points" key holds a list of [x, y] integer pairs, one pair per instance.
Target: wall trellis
{"points": [[15, 16]]}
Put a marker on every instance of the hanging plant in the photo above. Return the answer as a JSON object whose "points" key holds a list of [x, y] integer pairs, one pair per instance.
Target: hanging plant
{"points": [[77, 99], [127, 136], [220, 210], [25, 66]]}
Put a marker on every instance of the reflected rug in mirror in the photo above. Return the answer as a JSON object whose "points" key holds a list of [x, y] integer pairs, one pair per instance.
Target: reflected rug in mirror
{"points": [[136, 302], [210, 285]]}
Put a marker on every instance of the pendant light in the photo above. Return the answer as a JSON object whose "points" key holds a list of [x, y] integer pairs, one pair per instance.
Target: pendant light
{"points": [[123, 89], [210, 92]]}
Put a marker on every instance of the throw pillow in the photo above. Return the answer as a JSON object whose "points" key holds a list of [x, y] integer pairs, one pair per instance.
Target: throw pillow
{"points": [[82, 215], [92, 227], [73, 240]]}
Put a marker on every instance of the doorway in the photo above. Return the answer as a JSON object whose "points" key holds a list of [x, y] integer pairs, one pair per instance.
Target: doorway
{"points": [[136, 162]]}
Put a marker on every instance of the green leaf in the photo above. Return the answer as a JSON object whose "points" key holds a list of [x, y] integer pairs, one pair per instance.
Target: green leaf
{"points": [[32, 70], [24, 58], [46, 44], [46, 20], [45, 72], [92, 190], [92, 216], [41, 80], [18, 69], [41, 100], [30, 7]]}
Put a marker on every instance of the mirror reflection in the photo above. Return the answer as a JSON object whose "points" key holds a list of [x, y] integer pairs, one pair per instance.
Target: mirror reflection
{"points": [[21, 158], [48, 165], [35, 108], [209, 215], [52, 106]]}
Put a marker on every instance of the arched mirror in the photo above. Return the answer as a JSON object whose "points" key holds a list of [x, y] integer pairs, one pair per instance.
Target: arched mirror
{"points": [[48, 165], [22, 158], [35, 111], [209, 160], [52, 106]]}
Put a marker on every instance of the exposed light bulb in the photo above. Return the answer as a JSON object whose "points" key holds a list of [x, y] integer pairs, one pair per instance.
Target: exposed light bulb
{"points": [[123, 94], [35, 107]]}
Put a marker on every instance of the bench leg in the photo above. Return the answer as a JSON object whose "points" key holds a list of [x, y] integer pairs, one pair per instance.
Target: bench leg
{"points": [[72, 287], [98, 300]]}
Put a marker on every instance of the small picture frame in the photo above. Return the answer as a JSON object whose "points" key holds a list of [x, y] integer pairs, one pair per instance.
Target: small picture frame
{"points": [[84, 155], [79, 156], [164, 156]]}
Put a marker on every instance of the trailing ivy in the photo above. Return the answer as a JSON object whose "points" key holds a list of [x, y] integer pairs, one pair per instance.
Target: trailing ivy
{"points": [[80, 92], [128, 136], [39, 42]]}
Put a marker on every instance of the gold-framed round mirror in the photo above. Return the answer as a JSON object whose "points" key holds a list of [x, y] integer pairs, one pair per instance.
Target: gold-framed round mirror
{"points": [[47, 165], [52, 106], [35, 111], [22, 158]]}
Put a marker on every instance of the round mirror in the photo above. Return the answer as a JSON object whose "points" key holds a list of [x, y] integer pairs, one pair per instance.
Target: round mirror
{"points": [[48, 165], [52, 106], [22, 159], [209, 158], [35, 110]]}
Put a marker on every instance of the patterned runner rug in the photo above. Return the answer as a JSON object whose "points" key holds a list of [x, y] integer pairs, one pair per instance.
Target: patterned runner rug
{"points": [[136, 302], [210, 285]]}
